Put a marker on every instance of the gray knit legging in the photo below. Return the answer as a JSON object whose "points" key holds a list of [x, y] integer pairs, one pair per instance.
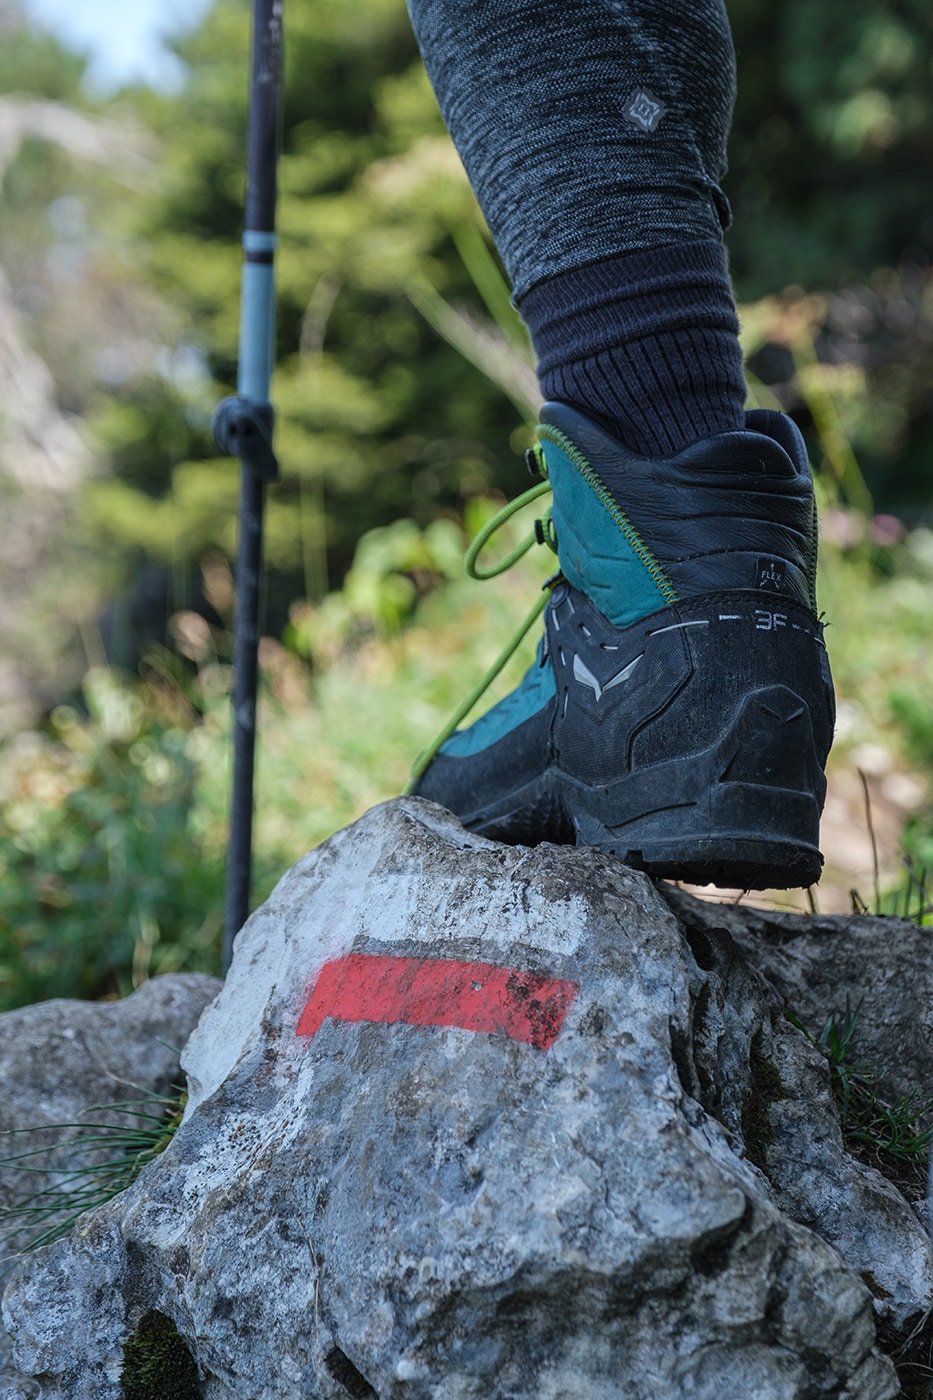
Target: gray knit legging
{"points": [[588, 128]]}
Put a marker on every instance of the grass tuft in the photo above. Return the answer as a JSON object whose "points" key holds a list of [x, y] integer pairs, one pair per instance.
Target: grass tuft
{"points": [[886, 1134], [111, 1157]]}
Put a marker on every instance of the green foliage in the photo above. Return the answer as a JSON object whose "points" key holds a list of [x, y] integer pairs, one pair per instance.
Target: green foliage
{"points": [[916, 898], [157, 1364], [113, 826], [36, 63], [913, 713], [104, 877], [393, 566], [378, 417], [387, 280], [830, 156], [402, 392], [853, 367], [876, 601], [911, 899]]}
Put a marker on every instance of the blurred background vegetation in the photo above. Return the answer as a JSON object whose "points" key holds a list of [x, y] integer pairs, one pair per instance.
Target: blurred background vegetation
{"points": [[405, 398]]}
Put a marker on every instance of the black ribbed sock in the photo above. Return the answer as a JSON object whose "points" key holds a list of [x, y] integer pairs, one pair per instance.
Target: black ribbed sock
{"points": [[646, 343]]}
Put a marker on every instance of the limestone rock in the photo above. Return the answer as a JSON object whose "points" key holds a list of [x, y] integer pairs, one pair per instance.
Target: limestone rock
{"points": [[885, 965], [469, 1120], [60, 1058]]}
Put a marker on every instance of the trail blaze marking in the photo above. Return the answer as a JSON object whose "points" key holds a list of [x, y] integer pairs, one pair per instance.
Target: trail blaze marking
{"points": [[476, 996]]}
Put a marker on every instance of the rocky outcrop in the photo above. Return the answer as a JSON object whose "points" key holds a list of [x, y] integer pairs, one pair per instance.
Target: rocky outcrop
{"points": [[61, 1064], [60, 1059], [469, 1120], [881, 967]]}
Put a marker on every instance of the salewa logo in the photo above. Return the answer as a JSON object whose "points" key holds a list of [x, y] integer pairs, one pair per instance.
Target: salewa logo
{"points": [[643, 109], [585, 676], [771, 574]]}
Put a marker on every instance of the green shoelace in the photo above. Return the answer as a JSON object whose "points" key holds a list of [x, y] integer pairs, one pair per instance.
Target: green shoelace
{"points": [[541, 533]]}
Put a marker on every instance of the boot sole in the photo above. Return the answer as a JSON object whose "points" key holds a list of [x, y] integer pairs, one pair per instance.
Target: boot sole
{"points": [[676, 844]]}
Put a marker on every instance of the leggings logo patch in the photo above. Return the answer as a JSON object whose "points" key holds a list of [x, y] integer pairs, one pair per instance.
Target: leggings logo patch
{"points": [[643, 109]]}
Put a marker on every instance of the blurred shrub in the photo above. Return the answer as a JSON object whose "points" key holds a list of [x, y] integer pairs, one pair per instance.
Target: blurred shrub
{"points": [[103, 878], [392, 567], [864, 353], [831, 152], [112, 825]]}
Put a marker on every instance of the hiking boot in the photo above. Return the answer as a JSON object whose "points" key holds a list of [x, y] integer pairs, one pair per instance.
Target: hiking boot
{"points": [[680, 709]]}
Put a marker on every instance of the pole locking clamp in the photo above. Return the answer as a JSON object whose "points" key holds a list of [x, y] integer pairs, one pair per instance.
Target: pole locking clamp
{"points": [[243, 429]]}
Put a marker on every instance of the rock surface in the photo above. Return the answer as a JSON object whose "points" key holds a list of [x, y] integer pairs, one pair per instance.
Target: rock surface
{"points": [[469, 1120], [60, 1058], [884, 966]]}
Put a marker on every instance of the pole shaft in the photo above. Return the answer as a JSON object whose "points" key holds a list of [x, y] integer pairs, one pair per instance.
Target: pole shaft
{"points": [[262, 151], [245, 686], [256, 356]]}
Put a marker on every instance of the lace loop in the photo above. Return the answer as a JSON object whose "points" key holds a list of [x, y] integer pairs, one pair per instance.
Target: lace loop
{"points": [[482, 538]]}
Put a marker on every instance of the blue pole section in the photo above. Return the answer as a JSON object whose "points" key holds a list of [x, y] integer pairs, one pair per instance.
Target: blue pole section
{"points": [[257, 316], [243, 427]]}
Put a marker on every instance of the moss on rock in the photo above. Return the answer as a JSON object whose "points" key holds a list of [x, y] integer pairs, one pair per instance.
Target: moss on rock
{"points": [[157, 1364]]}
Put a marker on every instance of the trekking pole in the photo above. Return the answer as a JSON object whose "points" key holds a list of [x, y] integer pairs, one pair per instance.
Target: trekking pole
{"points": [[243, 428]]}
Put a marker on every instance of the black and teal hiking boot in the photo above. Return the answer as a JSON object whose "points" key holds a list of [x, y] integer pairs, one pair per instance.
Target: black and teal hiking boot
{"points": [[680, 709]]}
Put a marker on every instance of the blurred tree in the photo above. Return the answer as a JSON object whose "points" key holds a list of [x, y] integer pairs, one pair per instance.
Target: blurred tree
{"points": [[385, 267], [831, 156], [831, 166], [72, 314], [379, 417]]}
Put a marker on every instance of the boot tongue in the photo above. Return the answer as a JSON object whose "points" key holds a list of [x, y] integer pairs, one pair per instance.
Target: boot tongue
{"points": [[730, 512]]}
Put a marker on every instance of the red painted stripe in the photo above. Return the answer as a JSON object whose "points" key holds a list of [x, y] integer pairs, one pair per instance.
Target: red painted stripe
{"points": [[476, 996]]}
